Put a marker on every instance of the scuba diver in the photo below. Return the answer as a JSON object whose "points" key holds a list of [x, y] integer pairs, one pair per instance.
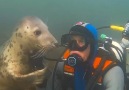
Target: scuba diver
{"points": [[90, 64], [95, 67]]}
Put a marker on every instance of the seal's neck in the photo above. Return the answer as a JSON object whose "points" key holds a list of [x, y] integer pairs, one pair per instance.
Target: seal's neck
{"points": [[15, 49], [18, 57]]}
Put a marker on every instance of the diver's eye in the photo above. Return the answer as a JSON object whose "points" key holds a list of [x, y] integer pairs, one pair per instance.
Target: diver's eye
{"points": [[37, 33]]}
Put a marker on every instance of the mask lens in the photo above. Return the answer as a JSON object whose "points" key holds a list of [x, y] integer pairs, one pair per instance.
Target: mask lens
{"points": [[75, 41], [65, 39], [80, 40]]}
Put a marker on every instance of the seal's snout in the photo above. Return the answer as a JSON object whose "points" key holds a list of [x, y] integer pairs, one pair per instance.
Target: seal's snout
{"points": [[54, 45], [53, 41]]}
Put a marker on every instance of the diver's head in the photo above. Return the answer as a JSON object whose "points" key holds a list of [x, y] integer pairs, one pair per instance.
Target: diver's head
{"points": [[81, 39]]}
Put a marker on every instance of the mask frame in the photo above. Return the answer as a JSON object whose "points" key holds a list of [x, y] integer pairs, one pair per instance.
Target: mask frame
{"points": [[67, 41]]}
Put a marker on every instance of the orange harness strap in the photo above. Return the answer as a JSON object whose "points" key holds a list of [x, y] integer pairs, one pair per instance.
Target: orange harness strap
{"points": [[68, 69], [97, 63], [106, 64]]}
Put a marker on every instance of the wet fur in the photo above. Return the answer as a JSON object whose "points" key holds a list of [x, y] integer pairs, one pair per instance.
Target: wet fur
{"points": [[16, 71]]}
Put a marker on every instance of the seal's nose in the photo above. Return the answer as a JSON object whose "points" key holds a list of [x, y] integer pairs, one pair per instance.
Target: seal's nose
{"points": [[55, 44]]}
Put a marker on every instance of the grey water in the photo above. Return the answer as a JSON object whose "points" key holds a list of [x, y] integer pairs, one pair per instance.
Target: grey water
{"points": [[61, 15]]}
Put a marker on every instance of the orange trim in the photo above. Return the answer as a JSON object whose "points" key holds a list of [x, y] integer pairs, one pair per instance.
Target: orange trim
{"points": [[68, 69], [97, 63], [66, 54]]}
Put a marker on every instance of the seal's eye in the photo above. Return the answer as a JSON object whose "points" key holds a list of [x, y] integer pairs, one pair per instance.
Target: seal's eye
{"points": [[37, 33]]}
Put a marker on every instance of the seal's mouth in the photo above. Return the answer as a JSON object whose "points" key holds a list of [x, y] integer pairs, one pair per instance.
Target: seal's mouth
{"points": [[37, 63], [37, 56], [41, 52]]}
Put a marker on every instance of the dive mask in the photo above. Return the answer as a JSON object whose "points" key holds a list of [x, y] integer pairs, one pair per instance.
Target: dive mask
{"points": [[76, 41]]}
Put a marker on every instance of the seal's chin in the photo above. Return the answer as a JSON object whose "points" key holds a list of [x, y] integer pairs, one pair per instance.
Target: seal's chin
{"points": [[37, 56], [36, 61]]}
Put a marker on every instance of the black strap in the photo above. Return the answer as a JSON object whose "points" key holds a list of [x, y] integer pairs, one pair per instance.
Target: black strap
{"points": [[93, 80]]}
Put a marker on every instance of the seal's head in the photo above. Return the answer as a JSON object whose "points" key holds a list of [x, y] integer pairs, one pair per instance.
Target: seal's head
{"points": [[33, 33], [31, 39]]}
